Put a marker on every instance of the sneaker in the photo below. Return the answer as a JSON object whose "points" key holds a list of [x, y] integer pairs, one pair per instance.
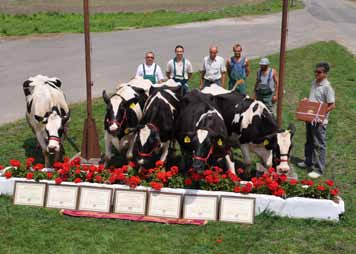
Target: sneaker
{"points": [[302, 165], [314, 174]]}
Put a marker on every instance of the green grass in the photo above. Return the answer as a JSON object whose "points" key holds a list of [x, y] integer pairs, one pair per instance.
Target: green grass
{"points": [[26, 230], [41, 23]]}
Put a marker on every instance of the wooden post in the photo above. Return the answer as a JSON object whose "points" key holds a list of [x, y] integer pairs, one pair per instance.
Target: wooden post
{"points": [[90, 143], [282, 60]]}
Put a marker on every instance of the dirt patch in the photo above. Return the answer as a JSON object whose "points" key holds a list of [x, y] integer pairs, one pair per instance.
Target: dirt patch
{"points": [[32, 6]]}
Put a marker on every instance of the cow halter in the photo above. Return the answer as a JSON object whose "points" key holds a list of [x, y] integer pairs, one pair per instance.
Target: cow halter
{"points": [[280, 160], [118, 123], [204, 159], [54, 138]]}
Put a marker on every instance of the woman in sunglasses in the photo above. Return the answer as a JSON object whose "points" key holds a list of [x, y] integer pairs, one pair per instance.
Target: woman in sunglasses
{"points": [[315, 146], [150, 70]]}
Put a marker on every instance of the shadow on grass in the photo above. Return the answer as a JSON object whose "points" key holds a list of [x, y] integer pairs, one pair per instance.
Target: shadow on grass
{"points": [[33, 149]]}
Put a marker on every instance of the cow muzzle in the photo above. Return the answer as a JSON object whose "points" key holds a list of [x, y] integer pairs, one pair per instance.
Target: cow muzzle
{"points": [[283, 168]]}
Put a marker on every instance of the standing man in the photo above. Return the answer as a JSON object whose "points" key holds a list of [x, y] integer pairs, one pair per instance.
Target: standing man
{"points": [[315, 146], [180, 69], [238, 69], [150, 70], [213, 70], [266, 87]]}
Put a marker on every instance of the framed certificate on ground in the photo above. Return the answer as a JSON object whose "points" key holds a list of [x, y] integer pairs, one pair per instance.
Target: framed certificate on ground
{"points": [[237, 209], [200, 207], [167, 205], [30, 193], [130, 201], [95, 199], [62, 196]]}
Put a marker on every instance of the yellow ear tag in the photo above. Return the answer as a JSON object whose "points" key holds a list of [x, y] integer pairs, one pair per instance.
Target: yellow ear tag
{"points": [[266, 142], [126, 131], [132, 105], [220, 143], [186, 139]]}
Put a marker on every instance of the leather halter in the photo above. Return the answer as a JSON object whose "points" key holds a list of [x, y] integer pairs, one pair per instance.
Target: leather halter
{"points": [[279, 160], [118, 123], [204, 159], [55, 138]]}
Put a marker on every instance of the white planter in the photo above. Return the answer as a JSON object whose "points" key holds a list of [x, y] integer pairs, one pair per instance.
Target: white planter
{"points": [[296, 207]]}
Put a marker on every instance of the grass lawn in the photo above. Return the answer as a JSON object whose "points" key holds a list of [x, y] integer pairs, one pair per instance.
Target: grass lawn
{"points": [[55, 22], [27, 230]]}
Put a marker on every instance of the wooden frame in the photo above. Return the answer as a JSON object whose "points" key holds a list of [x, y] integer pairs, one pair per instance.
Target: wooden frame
{"points": [[15, 202], [251, 221], [201, 196], [74, 207], [149, 206], [129, 190], [107, 210]]}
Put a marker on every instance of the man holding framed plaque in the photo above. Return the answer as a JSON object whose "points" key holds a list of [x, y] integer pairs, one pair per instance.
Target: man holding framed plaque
{"points": [[315, 146]]}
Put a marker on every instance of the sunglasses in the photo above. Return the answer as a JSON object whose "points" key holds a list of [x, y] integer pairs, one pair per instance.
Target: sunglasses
{"points": [[318, 72], [150, 57]]}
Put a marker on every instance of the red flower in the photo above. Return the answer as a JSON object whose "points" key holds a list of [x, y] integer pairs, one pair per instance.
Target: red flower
{"points": [[77, 172], [49, 175], [89, 176], [233, 177], [132, 164], [156, 185], [15, 163], [237, 189], [75, 161], [283, 178], [330, 183], [293, 182], [38, 167], [273, 186], [112, 178], [271, 170], [209, 179], [58, 180], [120, 177], [57, 165], [196, 177], [29, 162], [125, 168], [224, 176], [321, 188], [29, 176], [208, 172], [134, 181], [98, 179], [279, 192], [159, 163], [1, 167], [162, 176], [188, 182], [247, 188], [174, 170], [334, 192], [8, 174], [307, 182], [169, 174], [77, 180]]}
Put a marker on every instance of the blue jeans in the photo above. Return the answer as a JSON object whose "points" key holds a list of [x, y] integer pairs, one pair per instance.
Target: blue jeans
{"points": [[209, 82], [315, 147]]}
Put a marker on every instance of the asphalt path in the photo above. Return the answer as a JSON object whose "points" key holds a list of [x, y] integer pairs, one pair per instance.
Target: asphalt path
{"points": [[115, 55]]}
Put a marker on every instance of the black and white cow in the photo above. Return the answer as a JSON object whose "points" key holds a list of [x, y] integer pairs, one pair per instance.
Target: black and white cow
{"points": [[124, 110], [201, 133], [255, 129], [47, 114], [155, 133]]}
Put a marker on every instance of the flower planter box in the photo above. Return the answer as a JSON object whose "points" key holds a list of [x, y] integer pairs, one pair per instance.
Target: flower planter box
{"points": [[296, 207]]}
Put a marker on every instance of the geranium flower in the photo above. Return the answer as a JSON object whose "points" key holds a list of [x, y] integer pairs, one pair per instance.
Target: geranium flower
{"points": [[247, 188], [15, 163], [125, 168], [132, 164], [279, 192], [188, 182], [77, 172], [8, 174], [57, 165], [159, 163], [208, 172], [273, 186], [174, 170], [162, 176], [330, 183], [38, 167], [58, 180], [49, 175], [112, 178], [29, 161], [169, 174], [29, 176], [321, 188], [98, 179], [334, 192], [156, 185], [283, 178], [77, 180], [271, 170], [134, 181], [293, 182], [237, 189]]}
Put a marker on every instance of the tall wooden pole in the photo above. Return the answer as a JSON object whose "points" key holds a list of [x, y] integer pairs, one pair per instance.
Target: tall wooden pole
{"points": [[282, 59], [90, 142]]}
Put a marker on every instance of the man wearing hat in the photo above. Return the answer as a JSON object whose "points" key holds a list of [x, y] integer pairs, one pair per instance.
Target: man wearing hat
{"points": [[266, 87]]}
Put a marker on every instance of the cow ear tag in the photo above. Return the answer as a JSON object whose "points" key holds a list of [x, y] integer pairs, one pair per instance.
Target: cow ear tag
{"points": [[220, 143], [132, 105], [186, 139], [126, 131], [266, 142]]}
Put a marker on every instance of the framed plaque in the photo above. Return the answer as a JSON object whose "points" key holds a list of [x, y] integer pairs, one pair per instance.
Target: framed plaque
{"points": [[62, 196], [95, 199], [167, 205], [200, 207], [130, 201], [237, 209], [30, 193]]}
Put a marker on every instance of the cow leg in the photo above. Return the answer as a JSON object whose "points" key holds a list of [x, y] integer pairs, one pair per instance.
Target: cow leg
{"points": [[230, 163], [129, 154], [165, 147], [246, 154], [108, 148]]}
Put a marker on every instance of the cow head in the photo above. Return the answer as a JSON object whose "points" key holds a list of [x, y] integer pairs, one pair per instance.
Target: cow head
{"points": [[147, 143], [281, 144], [205, 143], [54, 126]]}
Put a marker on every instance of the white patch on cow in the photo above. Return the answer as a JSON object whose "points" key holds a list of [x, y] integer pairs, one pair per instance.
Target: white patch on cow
{"points": [[249, 114], [126, 92], [214, 90], [172, 94], [115, 102], [230, 163], [165, 149], [284, 143], [144, 134], [236, 119], [202, 135], [159, 96], [137, 82], [210, 112], [169, 83], [53, 125]]}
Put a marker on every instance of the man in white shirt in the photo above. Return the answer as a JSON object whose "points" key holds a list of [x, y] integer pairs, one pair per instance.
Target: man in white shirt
{"points": [[150, 70], [213, 70], [180, 69]]}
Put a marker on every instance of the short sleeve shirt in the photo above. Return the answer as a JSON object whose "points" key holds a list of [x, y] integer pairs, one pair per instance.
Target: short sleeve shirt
{"points": [[188, 68], [149, 71], [322, 92], [213, 68]]}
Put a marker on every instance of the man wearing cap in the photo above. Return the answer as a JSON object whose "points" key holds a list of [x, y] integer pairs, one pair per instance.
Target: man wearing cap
{"points": [[180, 69], [238, 70], [213, 71], [315, 146], [266, 87], [150, 70]]}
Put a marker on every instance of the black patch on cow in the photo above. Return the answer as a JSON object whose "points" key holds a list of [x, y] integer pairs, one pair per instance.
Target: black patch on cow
{"points": [[51, 84], [255, 108], [29, 106], [26, 87]]}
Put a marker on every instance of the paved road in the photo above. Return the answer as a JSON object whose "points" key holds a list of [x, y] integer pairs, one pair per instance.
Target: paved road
{"points": [[117, 54]]}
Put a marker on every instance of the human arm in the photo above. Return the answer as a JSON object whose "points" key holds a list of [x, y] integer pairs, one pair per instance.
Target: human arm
{"points": [[276, 86], [202, 74], [159, 75], [223, 75], [247, 63]]}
